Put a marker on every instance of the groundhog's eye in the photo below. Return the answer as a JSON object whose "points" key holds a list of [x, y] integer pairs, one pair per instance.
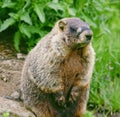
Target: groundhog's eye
{"points": [[72, 30]]}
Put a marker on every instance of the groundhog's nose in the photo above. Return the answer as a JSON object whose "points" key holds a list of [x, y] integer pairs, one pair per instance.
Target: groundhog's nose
{"points": [[85, 32], [88, 37]]}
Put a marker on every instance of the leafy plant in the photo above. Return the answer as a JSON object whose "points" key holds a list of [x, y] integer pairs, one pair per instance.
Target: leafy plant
{"points": [[6, 114], [88, 114], [33, 19]]}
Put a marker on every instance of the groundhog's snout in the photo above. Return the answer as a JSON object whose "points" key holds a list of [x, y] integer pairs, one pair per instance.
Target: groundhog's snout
{"points": [[84, 34]]}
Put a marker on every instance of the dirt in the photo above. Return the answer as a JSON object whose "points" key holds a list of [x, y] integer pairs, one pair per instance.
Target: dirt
{"points": [[10, 67], [11, 64]]}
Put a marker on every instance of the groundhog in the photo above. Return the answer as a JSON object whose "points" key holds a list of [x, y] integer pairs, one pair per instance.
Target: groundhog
{"points": [[57, 72]]}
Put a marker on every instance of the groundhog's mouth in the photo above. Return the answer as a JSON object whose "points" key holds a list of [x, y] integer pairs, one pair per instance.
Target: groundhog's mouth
{"points": [[79, 39], [84, 41], [80, 45], [84, 36], [76, 43]]}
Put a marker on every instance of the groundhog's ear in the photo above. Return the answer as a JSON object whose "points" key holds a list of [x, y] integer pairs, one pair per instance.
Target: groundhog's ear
{"points": [[62, 25]]}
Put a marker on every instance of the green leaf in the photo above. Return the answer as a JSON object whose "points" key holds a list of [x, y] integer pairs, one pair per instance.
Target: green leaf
{"points": [[88, 20], [28, 30], [17, 41], [0, 22], [26, 18], [79, 4], [25, 30], [55, 6], [72, 11], [8, 4], [14, 16], [40, 13], [88, 114], [6, 114], [27, 5], [34, 30], [8, 22]]}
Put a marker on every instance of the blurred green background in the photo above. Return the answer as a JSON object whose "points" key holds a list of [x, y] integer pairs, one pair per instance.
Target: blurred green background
{"points": [[29, 20]]}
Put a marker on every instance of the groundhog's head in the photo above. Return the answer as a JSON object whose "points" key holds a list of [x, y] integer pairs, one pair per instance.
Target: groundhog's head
{"points": [[76, 32]]}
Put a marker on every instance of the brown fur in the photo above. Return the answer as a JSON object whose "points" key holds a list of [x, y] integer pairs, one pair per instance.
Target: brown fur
{"points": [[57, 72]]}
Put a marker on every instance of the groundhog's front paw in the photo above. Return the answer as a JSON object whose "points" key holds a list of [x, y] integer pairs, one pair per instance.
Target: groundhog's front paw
{"points": [[60, 99], [74, 95]]}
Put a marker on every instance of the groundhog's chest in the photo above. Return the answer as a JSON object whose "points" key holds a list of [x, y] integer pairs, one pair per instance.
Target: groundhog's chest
{"points": [[72, 69]]}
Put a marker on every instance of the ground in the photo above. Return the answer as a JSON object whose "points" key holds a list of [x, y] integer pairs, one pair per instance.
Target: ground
{"points": [[10, 67], [11, 63]]}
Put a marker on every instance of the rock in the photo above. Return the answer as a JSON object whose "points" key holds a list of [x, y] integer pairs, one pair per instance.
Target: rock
{"points": [[15, 95], [21, 56], [10, 75], [16, 109]]}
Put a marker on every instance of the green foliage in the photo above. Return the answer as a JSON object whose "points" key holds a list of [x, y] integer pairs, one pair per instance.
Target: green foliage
{"points": [[32, 19], [104, 95], [17, 37], [6, 114], [8, 22], [88, 114]]}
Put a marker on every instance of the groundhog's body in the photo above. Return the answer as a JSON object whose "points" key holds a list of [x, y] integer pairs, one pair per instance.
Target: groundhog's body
{"points": [[57, 72]]}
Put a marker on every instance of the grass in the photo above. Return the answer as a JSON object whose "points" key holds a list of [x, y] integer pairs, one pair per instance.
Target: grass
{"points": [[88, 114], [6, 114], [105, 86]]}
